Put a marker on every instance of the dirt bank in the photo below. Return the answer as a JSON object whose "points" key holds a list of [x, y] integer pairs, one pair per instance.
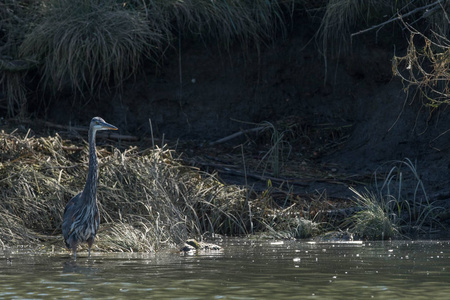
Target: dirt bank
{"points": [[351, 115]]}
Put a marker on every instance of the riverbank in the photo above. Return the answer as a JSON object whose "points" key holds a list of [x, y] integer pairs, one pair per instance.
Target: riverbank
{"points": [[153, 197]]}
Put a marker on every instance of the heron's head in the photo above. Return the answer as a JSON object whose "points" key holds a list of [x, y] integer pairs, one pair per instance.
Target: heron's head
{"points": [[98, 123]]}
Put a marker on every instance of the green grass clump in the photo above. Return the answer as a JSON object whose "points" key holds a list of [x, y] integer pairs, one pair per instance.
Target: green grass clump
{"points": [[87, 45], [375, 221], [399, 207]]}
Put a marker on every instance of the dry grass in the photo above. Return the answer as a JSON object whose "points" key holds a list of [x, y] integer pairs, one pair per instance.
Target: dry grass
{"points": [[424, 69], [148, 199], [166, 201], [151, 200]]}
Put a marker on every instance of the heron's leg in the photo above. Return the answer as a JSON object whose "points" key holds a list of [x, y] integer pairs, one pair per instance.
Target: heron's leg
{"points": [[72, 243], [90, 241]]}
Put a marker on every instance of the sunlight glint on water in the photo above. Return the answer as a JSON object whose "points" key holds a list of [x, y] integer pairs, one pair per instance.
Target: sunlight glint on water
{"points": [[244, 270]]}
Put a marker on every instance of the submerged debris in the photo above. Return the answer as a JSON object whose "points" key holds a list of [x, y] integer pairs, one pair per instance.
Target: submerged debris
{"points": [[336, 236], [191, 245]]}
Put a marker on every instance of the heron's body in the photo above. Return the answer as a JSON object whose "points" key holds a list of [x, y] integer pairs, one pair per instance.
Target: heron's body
{"points": [[81, 216], [80, 223]]}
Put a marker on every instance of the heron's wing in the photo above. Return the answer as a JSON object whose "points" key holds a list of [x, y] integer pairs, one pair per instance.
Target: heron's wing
{"points": [[97, 220], [69, 212]]}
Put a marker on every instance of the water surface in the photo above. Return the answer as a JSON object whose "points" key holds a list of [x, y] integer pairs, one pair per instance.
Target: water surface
{"points": [[244, 270]]}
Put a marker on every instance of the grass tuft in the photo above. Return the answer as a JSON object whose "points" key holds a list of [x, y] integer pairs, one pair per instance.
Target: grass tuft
{"points": [[340, 18], [87, 45], [400, 206], [375, 221]]}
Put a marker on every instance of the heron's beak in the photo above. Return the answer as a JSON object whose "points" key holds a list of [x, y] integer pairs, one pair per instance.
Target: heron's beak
{"points": [[107, 126]]}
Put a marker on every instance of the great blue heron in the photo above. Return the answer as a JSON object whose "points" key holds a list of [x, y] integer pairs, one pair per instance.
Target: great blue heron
{"points": [[81, 217]]}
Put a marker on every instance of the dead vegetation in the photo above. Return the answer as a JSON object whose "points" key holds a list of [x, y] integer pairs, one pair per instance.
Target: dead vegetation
{"points": [[151, 199], [424, 68], [148, 199]]}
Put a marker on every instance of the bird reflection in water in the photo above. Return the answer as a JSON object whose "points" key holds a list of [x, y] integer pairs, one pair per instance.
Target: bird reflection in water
{"points": [[74, 267]]}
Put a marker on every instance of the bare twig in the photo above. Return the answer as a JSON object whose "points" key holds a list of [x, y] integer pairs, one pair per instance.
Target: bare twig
{"points": [[399, 16]]}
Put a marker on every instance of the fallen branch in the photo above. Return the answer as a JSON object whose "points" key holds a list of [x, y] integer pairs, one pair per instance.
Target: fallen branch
{"points": [[224, 169], [399, 16], [235, 135]]}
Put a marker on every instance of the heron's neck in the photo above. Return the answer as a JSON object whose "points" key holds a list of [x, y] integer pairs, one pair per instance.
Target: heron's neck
{"points": [[90, 189]]}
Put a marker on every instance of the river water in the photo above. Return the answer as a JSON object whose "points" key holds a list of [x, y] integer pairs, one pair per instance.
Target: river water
{"points": [[245, 269]]}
